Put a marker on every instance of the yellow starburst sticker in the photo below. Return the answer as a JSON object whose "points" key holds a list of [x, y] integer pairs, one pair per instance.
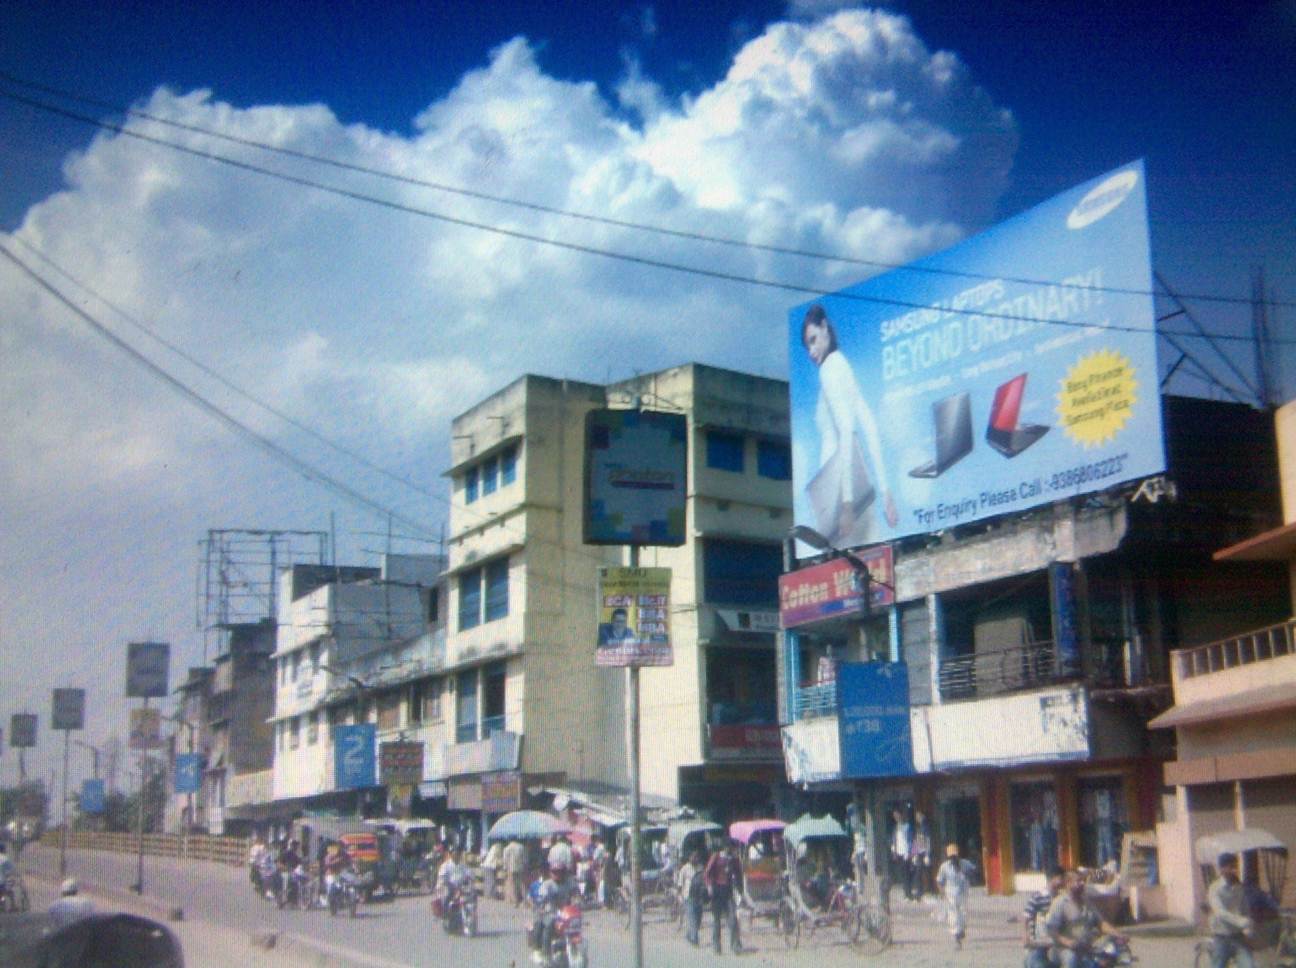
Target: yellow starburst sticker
{"points": [[1097, 397]]}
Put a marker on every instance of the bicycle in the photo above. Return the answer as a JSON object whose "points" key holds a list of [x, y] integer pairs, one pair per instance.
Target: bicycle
{"points": [[1281, 953]]}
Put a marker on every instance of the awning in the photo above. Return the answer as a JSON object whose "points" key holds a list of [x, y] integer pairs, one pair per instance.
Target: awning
{"points": [[1249, 702], [1277, 544]]}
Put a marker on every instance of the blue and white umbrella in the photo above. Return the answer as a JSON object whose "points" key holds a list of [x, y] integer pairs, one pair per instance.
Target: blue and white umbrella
{"points": [[526, 825]]}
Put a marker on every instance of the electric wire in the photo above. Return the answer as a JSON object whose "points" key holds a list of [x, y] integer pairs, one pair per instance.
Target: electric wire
{"points": [[717, 274], [570, 213]]}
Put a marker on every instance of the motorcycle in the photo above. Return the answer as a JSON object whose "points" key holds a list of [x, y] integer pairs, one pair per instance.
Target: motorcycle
{"points": [[295, 889], [344, 891], [459, 912], [566, 940], [1107, 952]]}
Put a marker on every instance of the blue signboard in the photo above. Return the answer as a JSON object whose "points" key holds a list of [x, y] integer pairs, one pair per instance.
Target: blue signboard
{"points": [[873, 719], [354, 757], [188, 772], [92, 796], [1015, 369]]}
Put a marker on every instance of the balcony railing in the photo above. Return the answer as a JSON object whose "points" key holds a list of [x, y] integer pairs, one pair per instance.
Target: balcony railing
{"points": [[1267, 643], [816, 700], [1009, 670]]}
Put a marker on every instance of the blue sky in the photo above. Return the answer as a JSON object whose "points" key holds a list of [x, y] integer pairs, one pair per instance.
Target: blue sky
{"points": [[875, 135]]}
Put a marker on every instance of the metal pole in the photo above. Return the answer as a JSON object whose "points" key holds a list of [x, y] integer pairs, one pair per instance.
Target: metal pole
{"points": [[636, 900], [138, 886], [67, 742]]}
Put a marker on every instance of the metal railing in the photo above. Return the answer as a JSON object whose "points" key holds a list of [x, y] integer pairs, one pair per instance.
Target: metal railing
{"points": [[1258, 646], [816, 700], [225, 850], [1006, 670]]}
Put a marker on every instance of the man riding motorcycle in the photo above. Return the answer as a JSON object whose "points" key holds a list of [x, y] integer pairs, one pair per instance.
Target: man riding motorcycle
{"points": [[336, 860], [452, 878], [555, 892]]}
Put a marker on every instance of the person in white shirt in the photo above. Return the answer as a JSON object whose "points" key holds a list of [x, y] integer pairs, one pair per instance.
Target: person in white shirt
{"points": [[560, 854], [452, 875], [952, 879]]}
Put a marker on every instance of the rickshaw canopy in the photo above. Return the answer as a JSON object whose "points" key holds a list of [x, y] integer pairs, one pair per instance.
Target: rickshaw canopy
{"points": [[806, 826], [1211, 846], [680, 830], [744, 830]]}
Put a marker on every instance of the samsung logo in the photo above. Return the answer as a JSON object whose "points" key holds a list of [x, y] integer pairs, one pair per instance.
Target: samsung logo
{"points": [[1102, 199]]}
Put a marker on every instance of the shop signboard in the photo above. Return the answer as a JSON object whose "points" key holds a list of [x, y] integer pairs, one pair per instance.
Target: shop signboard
{"points": [[146, 669], [634, 617], [501, 792], [69, 709], [353, 756], [401, 764], [1014, 369], [734, 741], [873, 715], [92, 797], [635, 477], [188, 772], [22, 730], [812, 750], [145, 729], [834, 589]]}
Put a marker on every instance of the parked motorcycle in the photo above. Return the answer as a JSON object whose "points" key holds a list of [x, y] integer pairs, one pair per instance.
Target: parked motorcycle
{"points": [[459, 912], [344, 891], [567, 940]]}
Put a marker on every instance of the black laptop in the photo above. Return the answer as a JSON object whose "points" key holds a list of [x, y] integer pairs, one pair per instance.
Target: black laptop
{"points": [[952, 419]]}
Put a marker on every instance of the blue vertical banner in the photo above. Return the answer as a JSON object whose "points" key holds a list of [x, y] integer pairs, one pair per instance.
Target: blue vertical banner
{"points": [[1065, 629], [188, 772], [354, 756], [873, 700], [92, 797]]}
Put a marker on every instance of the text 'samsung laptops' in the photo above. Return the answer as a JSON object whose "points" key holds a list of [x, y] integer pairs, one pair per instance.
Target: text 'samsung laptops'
{"points": [[952, 418], [1003, 432]]}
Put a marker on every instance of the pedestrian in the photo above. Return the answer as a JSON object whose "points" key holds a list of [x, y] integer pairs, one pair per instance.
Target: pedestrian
{"points": [[691, 884], [952, 879], [1229, 923], [901, 835], [721, 877], [919, 857], [515, 871]]}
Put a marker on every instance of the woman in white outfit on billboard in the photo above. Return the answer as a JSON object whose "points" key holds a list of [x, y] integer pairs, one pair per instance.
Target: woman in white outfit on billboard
{"points": [[843, 493]]}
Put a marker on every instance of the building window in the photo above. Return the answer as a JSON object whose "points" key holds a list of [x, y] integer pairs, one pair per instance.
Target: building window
{"points": [[312, 728], [489, 475], [724, 451], [470, 594], [773, 460], [434, 605], [296, 665], [508, 466], [494, 677], [741, 573], [389, 712], [315, 658], [470, 485], [466, 706], [432, 701], [294, 732], [497, 589]]}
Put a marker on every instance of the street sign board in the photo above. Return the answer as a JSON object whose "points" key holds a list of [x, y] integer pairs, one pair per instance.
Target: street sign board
{"points": [[146, 669], [635, 477], [145, 729], [188, 772], [22, 730], [353, 756], [69, 709], [634, 617], [92, 797], [401, 764]]}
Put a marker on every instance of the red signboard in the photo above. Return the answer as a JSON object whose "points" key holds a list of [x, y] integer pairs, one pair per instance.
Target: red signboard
{"points": [[833, 589], [401, 763], [750, 740]]}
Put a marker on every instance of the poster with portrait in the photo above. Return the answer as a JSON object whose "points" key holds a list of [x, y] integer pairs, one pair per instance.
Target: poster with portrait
{"points": [[634, 617]]}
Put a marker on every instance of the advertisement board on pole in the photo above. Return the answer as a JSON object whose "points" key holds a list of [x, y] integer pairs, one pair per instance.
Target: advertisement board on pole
{"points": [[1014, 369], [92, 797], [69, 709], [22, 730], [354, 763], [873, 699], [634, 617], [400, 764], [146, 669], [188, 772], [145, 729], [635, 477]]}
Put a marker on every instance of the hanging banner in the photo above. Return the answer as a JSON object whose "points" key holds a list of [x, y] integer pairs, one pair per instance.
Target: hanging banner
{"points": [[188, 772], [69, 709], [354, 763], [1017, 368], [634, 617], [145, 729]]}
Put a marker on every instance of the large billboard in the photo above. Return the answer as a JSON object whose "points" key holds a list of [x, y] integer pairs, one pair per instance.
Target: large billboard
{"points": [[1014, 369], [635, 477]]}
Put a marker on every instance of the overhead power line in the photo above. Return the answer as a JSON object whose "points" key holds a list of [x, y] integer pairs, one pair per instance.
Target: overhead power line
{"points": [[566, 212], [800, 289]]}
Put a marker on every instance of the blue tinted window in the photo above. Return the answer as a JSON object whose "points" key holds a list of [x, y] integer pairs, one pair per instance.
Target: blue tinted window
{"points": [[466, 706], [470, 595], [470, 485], [741, 573], [508, 466], [773, 460], [489, 475], [497, 598], [724, 451]]}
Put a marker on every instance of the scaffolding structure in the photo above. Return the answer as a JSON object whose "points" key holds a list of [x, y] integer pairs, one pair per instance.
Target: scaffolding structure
{"points": [[237, 581]]}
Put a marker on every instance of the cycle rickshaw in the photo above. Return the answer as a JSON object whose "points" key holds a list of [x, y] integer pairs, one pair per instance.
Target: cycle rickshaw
{"points": [[763, 891], [1262, 865]]}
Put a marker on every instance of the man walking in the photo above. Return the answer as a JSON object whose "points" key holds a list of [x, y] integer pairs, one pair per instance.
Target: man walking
{"points": [[1228, 917], [515, 870], [721, 877]]}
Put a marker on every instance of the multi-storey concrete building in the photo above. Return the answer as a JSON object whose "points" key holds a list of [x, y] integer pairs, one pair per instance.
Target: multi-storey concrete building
{"points": [[1036, 648], [530, 707]]}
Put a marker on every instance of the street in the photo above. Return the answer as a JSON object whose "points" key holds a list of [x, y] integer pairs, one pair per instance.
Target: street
{"points": [[402, 932]]}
